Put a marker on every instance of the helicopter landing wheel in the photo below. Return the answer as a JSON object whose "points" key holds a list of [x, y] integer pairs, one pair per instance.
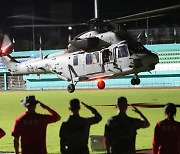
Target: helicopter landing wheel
{"points": [[71, 88], [138, 81], [135, 81]]}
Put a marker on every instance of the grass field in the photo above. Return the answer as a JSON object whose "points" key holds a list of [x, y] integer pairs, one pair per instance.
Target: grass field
{"points": [[10, 108]]}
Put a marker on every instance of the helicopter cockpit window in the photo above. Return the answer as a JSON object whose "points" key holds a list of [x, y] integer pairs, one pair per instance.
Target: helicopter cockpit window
{"points": [[75, 60], [122, 51], [89, 59]]}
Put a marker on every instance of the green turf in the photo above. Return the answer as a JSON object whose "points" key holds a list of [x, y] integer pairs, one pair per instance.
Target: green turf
{"points": [[10, 108]]}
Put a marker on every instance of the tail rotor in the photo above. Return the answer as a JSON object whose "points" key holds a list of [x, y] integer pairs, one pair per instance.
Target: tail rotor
{"points": [[6, 46]]}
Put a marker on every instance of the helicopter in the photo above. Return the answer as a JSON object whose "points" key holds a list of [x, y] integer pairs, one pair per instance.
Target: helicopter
{"points": [[118, 59], [98, 54]]}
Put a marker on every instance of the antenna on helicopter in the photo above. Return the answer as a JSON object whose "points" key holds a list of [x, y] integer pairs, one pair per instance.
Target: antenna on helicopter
{"points": [[96, 8], [96, 23]]}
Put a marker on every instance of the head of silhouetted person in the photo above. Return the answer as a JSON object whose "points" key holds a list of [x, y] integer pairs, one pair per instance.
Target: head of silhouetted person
{"points": [[30, 102], [170, 109], [74, 105], [122, 104]]}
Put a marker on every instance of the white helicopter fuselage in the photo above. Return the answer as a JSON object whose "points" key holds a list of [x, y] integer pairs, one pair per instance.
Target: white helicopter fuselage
{"points": [[116, 60]]}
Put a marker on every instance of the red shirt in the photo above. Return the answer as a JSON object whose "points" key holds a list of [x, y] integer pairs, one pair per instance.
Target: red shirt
{"points": [[167, 137], [32, 130]]}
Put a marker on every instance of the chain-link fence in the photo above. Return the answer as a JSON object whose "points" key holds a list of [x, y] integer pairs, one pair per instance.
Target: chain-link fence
{"points": [[13, 82]]}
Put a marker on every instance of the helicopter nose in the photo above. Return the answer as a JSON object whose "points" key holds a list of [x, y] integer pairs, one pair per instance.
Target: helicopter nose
{"points": [[137, 63], [147, 61], [154, 58]]}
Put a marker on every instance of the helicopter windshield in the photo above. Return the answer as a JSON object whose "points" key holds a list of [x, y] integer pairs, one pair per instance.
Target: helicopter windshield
{"points": [[137, 48], [122, 51]]}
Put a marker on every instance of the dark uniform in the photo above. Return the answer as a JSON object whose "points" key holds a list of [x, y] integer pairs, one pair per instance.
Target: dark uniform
{"points": [[74, 134], [121, 131]]}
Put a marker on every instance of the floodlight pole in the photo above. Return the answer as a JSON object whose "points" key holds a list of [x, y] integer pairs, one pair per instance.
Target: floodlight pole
{"points": [[40, 50], [70, 29], [147, 22], [33, 31]]}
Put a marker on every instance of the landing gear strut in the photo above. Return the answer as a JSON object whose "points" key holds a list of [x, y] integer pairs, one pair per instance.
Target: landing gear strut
{"points": [[71, 87], [135, 80]]}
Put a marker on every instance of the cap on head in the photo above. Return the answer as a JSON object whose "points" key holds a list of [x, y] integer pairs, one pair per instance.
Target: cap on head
{"points": [[29, 100], [74, 104], [170, 109]]}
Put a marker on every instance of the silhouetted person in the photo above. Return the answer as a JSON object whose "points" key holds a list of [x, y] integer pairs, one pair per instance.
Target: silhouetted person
{"points": [[74, 133], [167, 133], [31, 127], [120, 130], [2, 133]]}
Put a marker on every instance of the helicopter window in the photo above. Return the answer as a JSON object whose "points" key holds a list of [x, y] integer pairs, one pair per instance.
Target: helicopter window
{"points": [[122, 52], [89, 59], [95, 57], [75, 60], [111, 56]]}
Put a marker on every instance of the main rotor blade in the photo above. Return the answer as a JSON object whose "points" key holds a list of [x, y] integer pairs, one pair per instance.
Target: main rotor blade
{"points": [[31, 17], [141, 18], [152, 105], [134, 104], [48, 25], [142, 15], [144, 105]]}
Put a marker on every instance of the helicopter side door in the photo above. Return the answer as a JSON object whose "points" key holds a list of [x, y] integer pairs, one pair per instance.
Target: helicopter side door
{"points": [[79, 64], [122, 57]]}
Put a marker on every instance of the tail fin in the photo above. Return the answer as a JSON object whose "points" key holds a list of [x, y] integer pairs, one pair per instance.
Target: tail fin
{"points": [[6, 45]]}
